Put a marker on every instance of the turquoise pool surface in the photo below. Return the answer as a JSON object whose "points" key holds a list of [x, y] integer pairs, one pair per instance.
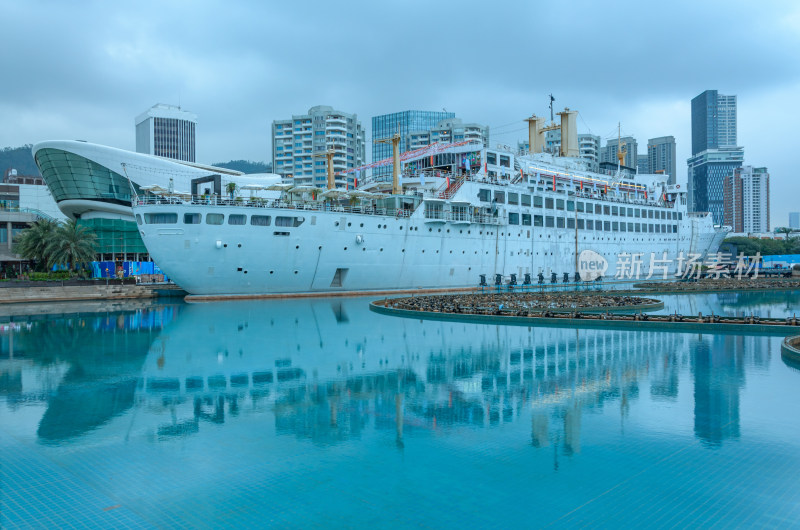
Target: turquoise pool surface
{"points": [[319, 412]]}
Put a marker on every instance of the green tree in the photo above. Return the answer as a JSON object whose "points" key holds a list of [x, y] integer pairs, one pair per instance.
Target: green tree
{"points": [[71, 244], [32, 242], [231, 188]]}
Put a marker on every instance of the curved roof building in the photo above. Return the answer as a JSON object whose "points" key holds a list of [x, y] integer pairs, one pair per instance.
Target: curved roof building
{"points": [[93, 183]]}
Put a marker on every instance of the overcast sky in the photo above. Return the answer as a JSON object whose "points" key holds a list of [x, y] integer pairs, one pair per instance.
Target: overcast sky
{"points": [[84, 70]]}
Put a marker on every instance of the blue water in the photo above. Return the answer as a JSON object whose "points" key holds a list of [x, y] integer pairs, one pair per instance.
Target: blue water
{"points": [[321, 413]]}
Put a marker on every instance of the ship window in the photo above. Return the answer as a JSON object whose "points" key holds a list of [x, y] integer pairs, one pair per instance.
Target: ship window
{"points": [[615, 226], [161, 218], [537, 220], [674, 229], [630, 227], [630, 212], [138, 219], [622, 211], [680, 216], [589, 224], [513, 198], [500, 196], [580, 206], [548, 203], [549, 221], [559, 222], [571, 223], [214, 218], [570, 206], [650, 214], [663, 214], [237, 219], [191, 218], [607, 226], [491, 158], [650, 229], [606, 210], [559, 204], [614, 210], [485, 195], [537, 201], [638, 227], [526, 219], [598, 226], [598, 209], [289, 221], [526, 199], [622, 227], [636, 212], [580, 224], [260, 220], [505, 161], [513, 218]]}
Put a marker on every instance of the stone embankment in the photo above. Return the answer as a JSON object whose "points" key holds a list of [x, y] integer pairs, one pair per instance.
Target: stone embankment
{"points": [[57, 293], [721, 284]]}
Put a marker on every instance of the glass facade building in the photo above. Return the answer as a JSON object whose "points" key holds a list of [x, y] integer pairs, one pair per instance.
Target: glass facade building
{"points": [[715, 155], [707, 173], [387, 125]]}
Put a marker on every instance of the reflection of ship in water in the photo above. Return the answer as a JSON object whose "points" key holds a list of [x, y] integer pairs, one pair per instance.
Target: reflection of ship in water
{"points": [[329, 369], [766, 304], [83, 367]]}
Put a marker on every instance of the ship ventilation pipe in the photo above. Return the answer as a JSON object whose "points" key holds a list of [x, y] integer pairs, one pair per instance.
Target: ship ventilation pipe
{"points": [[535, 134], [569, 133]]}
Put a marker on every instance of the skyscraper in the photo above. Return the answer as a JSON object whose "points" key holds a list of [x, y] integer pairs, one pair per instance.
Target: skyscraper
{"points": [[295, 141], [661, 156], [713, 121], [387, 125], [794, 220], [168, 131], [746, 200], [715, 154], [609, 152]]}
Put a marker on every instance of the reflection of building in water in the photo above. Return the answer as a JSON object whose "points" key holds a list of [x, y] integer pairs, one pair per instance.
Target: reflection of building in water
{"points": [[718, 372], [326, 370], [82, 367]]}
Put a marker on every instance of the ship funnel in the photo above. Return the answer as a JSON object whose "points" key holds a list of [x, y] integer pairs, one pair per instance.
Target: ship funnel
{"points": [[535, 134], [569, 133]]}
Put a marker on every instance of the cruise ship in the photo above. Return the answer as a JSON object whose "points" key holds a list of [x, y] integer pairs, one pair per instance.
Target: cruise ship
{"points": [[452, 216]]}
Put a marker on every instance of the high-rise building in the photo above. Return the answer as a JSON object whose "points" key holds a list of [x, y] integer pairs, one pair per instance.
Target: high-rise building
{"points": [[447, 131], [609, 152], [714, 151], [661, 157], [746, 200], [297, 140], [707, 172], [642, 164], [794, 220], [387, 125], [168, 131], [713, 121]]}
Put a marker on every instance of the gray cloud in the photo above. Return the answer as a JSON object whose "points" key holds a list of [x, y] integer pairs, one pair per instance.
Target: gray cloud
{"points": [[85, 70]]}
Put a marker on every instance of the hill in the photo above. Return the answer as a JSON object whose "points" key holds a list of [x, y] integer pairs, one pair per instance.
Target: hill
{"points": [[246, 166], [19, 158]]}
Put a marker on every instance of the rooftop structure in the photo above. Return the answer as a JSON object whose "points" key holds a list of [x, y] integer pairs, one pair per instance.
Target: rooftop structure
{"points": [[168, 131]]}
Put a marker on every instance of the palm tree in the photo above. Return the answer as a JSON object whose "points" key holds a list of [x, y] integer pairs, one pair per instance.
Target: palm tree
{"points": [[32, 242], [71, 244], [231, 188]]}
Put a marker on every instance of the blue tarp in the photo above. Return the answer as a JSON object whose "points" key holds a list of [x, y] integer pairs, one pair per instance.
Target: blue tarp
{"points": [[108, 269]]}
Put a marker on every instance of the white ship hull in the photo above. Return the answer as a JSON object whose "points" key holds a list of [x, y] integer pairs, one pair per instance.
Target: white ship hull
{"points": [[433, 248]]}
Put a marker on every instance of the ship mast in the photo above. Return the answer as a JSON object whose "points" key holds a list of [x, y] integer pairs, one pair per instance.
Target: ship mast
{"points": [[395, 141], [329, 157]]}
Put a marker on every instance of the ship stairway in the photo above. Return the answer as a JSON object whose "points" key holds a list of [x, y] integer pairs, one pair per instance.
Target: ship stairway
{"points": [[451, 190]]}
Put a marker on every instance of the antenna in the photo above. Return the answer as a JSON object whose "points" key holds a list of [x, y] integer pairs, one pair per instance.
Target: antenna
{"points": [[552, 99]]}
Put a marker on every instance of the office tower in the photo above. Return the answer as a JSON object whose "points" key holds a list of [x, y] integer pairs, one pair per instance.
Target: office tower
{"points": [[794, 220], [713, 121], [715, 154], [661, 157], [296, 141], [448, 131], [168, 131], [387, 125], [746, 200], [609, 152]]}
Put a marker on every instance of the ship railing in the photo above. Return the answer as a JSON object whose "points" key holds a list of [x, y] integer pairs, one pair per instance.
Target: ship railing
{"points": [[465, 217]]}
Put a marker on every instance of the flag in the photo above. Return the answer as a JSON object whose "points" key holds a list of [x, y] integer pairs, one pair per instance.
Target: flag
{"points": [[554, 183], [486, 168], [355, 182], [447, 179], [605, 189], [431, 160], [645, 195], [581, 185]]}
